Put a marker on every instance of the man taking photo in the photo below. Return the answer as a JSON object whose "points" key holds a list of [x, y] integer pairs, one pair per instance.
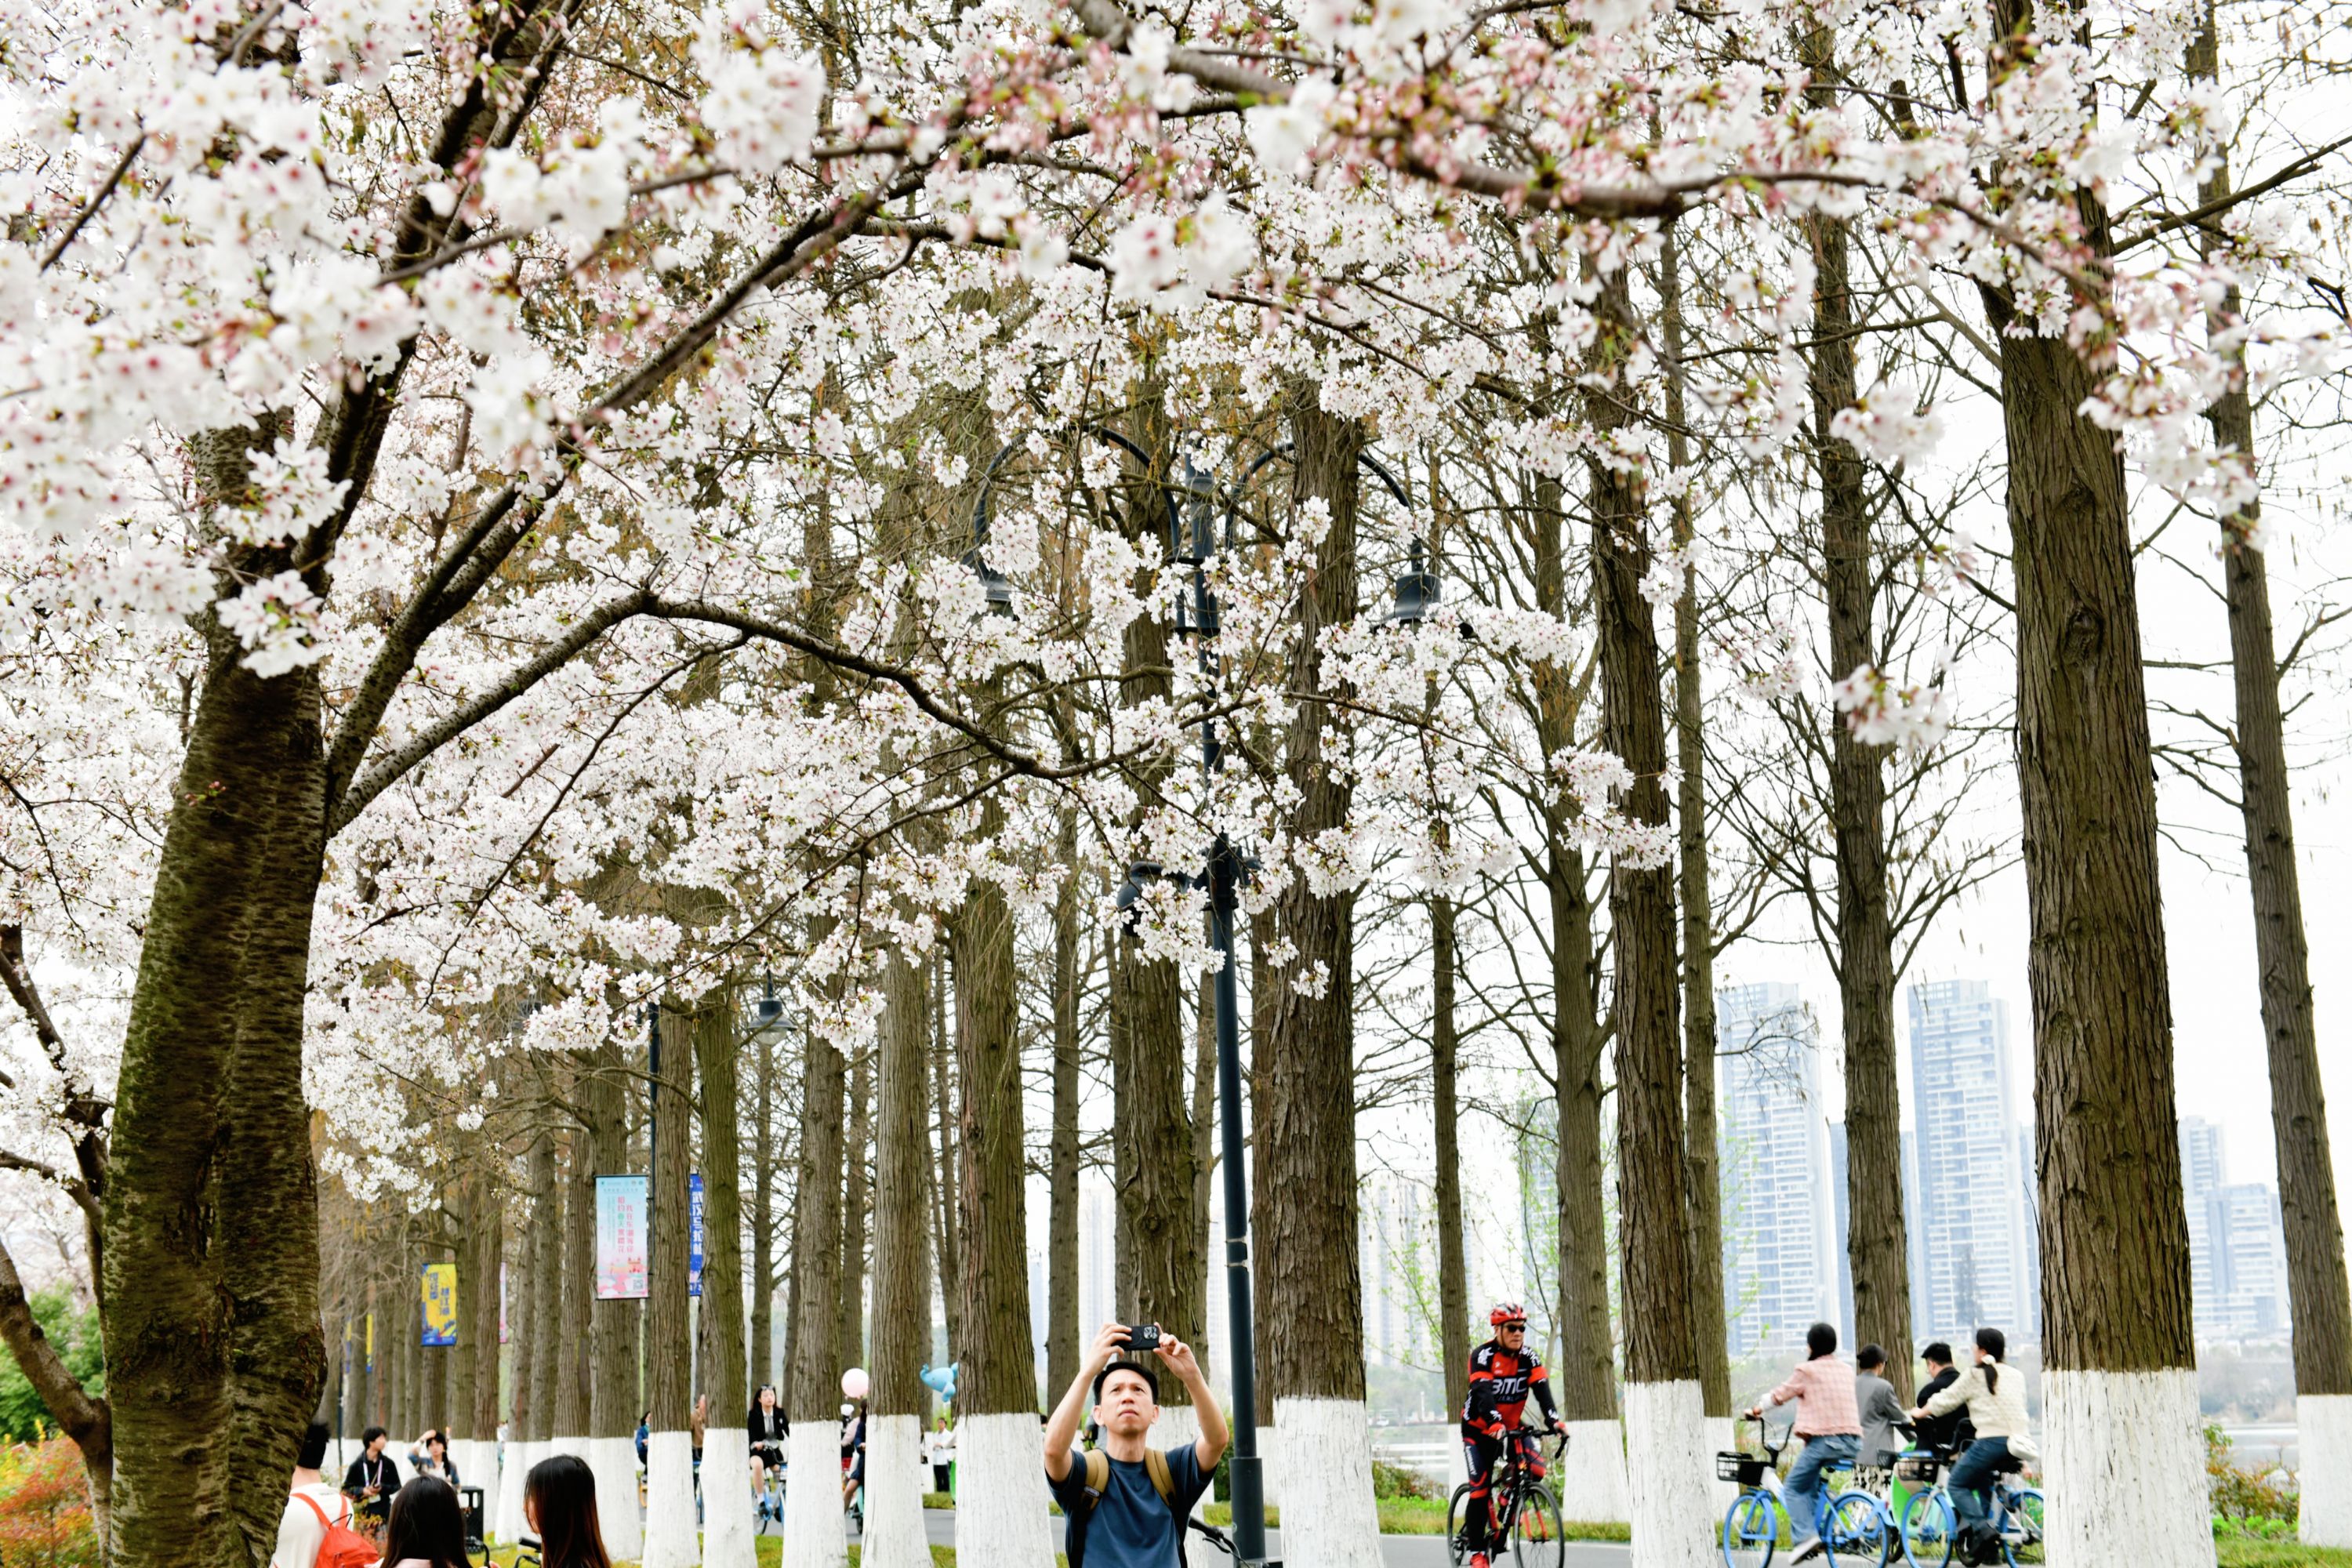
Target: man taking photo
{"points": [[1126, 1508]]}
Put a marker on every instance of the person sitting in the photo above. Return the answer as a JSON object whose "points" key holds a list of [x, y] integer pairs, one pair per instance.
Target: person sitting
{"points": [[559, 1504], [1996, 1407], [1822, 1386], [427, 1528], [1881, 1411], [1941, 1434]]}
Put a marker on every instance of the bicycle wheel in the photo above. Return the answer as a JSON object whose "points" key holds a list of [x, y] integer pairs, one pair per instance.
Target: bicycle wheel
{"points": [[1539, 1538], [1457, 1552], [1751, 1530], [1927, 1527], [1857, 1531], [2020, 1528]]}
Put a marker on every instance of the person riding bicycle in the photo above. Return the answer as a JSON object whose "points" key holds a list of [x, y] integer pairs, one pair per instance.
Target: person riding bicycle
{"points": [[1503, 1373], [1995, 1397], [1822, 1387]]}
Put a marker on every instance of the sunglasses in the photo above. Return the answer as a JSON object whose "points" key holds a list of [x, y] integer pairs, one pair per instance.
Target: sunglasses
{"points": [[1515, 1328]]}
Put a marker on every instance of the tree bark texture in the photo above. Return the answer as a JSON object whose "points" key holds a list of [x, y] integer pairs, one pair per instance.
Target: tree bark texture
{"points": [[2320, 1300], [460, 1361], [814, 1393], [1061, 1303], [1585, 1377], [209, 1283], [995, 1374], [902, 1297], [541, 1293], [1652, 1210], [667, 1324], [763, 1209], [945, 1094], [858, 1192], [573, 1397], [1313, 1331], [1701, 1171], [725, 1377], [1453, 1270], [1875, 1246], [479, 1340]]}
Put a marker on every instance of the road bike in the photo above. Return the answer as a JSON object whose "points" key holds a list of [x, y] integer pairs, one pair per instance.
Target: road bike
{"points": [[1850, 1524], [1931, 1524], [1522, 1512]]}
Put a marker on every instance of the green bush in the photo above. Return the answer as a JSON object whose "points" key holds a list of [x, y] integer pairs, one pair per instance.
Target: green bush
{"points": [[1396, 1480], [45, 1519], [74, 1330], [2243, 1502]]}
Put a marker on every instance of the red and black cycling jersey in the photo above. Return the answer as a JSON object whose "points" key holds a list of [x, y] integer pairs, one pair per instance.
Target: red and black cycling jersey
{"points": [[1500, 1382]]}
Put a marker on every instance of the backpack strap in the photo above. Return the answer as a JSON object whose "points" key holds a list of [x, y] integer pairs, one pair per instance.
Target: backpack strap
{"points": [[1097, 1476], [324, 1522], [1155, 1463]]}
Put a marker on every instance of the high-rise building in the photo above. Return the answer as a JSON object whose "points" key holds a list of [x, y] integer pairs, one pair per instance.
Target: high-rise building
{"points": [[1779, 1265], [2203, 1173], [2244, 1221], [1974, 1247], [1397, 1259]]}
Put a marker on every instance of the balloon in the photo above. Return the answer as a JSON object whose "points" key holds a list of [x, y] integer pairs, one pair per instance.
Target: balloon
{"points": [[853, 1382], [940, 1380]]}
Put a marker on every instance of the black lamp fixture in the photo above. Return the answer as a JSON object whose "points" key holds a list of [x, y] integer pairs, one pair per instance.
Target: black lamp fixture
{"points": [[1140, 876], [1417, 592], [771, 1008]]}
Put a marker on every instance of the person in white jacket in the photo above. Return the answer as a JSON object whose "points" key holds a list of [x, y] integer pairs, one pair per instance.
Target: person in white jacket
{"points": [[1995, 1396]]}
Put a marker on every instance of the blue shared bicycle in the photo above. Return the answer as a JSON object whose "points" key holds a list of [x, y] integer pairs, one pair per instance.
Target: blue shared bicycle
{"points": [[1851, 1525]]}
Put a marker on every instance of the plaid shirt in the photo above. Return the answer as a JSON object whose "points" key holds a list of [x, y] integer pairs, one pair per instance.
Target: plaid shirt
{"points": [[1823, 1390]]}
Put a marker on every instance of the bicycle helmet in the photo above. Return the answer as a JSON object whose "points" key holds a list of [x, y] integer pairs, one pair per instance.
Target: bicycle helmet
{"points": [[1507, 1313]]}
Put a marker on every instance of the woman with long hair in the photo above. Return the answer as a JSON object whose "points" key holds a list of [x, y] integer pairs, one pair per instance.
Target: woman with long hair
{"points": [[428, 1529], [558, 1503], [1996, 1405]]}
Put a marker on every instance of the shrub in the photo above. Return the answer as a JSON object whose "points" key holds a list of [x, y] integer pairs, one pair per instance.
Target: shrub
{"points": [[45, 1519], [1396, 1481], [2243, 1502]]}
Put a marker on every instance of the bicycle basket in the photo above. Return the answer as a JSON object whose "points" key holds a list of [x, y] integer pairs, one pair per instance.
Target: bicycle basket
{"points": [[1916, 1470], [1746, 1468]]}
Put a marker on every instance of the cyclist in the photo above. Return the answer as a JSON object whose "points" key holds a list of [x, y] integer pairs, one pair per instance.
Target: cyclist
{"points": [[1996, 1406], [1503, 1373]]}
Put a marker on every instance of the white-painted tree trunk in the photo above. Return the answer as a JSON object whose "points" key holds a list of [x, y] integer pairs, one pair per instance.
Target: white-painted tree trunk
{"points": [[577, 1447], [1329, 1518], [614, 1462], [1269, 1450], [815, 1536], [1670, 1473], [1179, 1427], [1000, 1499], [670, 1534], [1722, 1437], [1590, 1477], [470, 1473], [727, 1498], [894, 1494], [2123, 1459], [2323, 1468], [519, 1458]]}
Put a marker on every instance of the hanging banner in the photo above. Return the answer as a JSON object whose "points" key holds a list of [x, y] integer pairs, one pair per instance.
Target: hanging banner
{"points": [[502, 1303], [624, 1246], [370, 1344], [622, 1267], [439, 1282]]}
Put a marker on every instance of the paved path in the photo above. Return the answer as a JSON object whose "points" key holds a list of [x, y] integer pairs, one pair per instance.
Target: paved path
{"points": [[1396, 1551]]}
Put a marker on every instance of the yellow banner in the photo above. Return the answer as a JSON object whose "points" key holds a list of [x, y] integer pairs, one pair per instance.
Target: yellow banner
{"points": [[440, 1284]]}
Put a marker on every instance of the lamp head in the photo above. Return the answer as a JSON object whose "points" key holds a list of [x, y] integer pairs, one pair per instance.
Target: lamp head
{"points": [[1140, 875]]}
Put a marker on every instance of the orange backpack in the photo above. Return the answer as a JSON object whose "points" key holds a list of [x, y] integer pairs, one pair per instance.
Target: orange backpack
{"points": [[343, 1547]]}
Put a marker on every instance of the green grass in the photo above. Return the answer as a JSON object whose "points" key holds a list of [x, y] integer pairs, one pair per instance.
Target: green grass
{"points": [[2236, 1552]]}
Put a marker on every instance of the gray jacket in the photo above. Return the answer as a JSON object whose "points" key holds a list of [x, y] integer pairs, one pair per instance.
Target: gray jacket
{"points": [[1874, 1396]]}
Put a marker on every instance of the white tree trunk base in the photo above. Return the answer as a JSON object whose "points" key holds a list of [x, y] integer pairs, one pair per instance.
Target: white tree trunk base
{"points": [[1670, 1477], [815, 1534], [1722, 1437], [576, 1446], [1179, 1427], [504, 1518], [612, 1461], [2123, 1458], [1000, 1499], [896, 1477], [726, 1531], [470, 1472], [1590, 1477], [1329, 1518], [2323, 1468], [670, 1534], [1270, 1460]]}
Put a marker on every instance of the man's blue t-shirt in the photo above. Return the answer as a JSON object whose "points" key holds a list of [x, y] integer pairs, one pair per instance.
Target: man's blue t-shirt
{"points": [[1129, 1526]]}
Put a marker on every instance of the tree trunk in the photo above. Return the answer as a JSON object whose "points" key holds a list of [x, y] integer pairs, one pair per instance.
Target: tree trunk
{"points": [[857, 1189], [1875, 1247], [1453, 1271], [1586, 1377], [462, 1367], [1061, 1303], [902, 1296], [540, 1323], [208, 1288], [613, 1415], [670, 1451], [813, 1532], [2319, 1300], [1002, 1497], [2117, 1340], [1665, 1462], [726, 1445], [477, 1342], [1702, 1172], [948, 1241], [1312, 1334], [573, 1396]]}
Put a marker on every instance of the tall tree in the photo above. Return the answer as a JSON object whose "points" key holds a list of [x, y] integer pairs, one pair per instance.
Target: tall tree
{"points": [[1061, 1303], [1453, 1270], [669, 1394], [902, 1296], [858, 1192], [613, 1422], [2120, 1391], [813, 1527], [764, 1199], [1665, 1431], [1312, 1331], [726, 1382], [572, 1396]]}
